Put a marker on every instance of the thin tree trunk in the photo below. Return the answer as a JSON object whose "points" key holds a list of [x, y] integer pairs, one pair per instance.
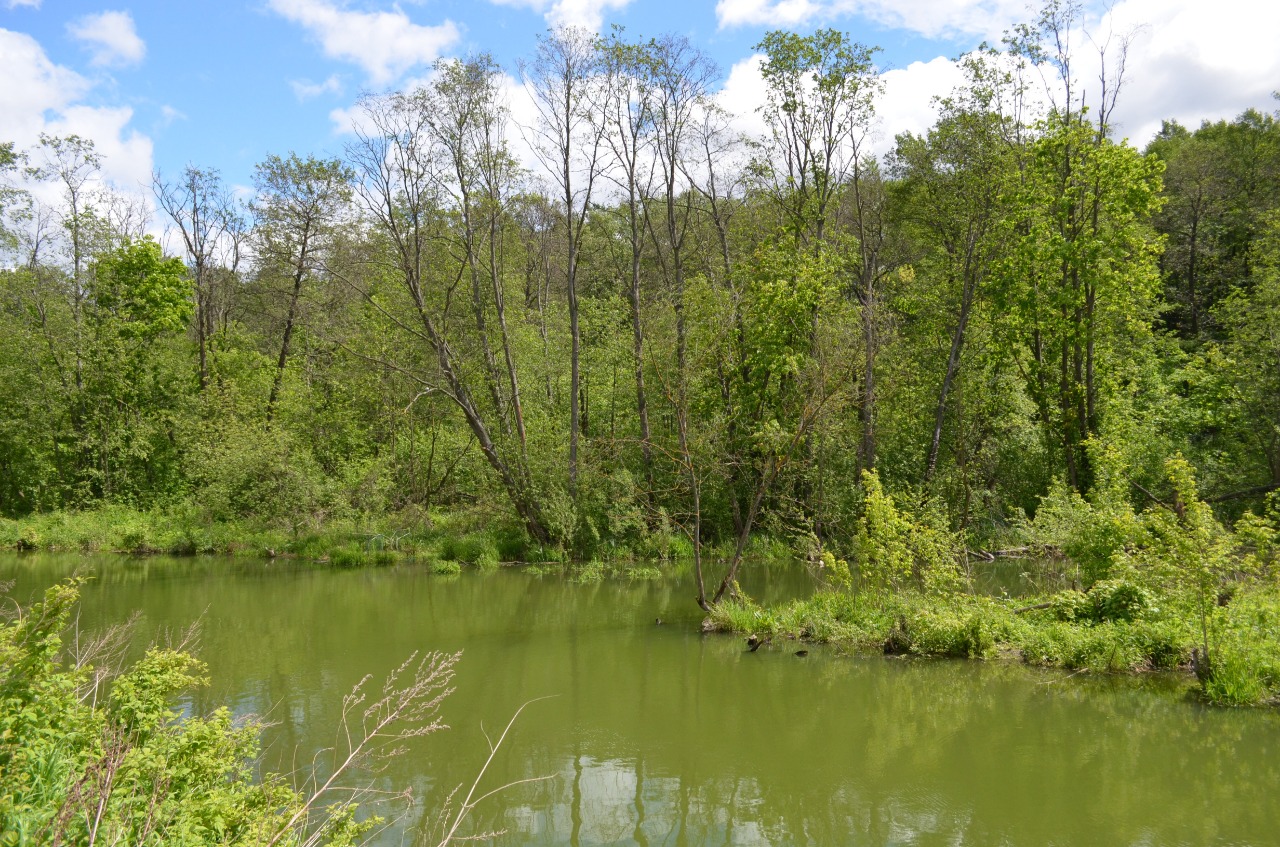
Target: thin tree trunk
{"points": [[298, 273], [953, 365]]}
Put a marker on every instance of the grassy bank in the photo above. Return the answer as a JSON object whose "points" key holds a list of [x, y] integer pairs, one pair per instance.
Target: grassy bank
{"points": [[1112, 628], [462, 538], [447, 540]]}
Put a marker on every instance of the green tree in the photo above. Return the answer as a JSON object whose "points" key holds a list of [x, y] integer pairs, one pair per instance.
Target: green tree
{"points": [[299, 204]]}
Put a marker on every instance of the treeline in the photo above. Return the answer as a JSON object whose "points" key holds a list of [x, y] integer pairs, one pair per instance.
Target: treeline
{"points": [[665, 328]]}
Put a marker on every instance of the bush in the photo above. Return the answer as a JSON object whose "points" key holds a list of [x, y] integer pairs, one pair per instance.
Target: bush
{"points": [[1091, 534], [473, 549], [251, 472], [592, 571], [898, 550], [173, 780], [1104, 647], [956, 631]]}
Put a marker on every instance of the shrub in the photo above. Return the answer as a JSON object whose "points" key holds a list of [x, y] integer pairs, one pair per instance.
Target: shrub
{"points": [[592, 571], [1091, 534], [473, 549], [896, 550], [173, 780]]}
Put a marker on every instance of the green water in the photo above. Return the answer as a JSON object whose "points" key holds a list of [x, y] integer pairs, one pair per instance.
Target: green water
{"points": [[659, 735]]}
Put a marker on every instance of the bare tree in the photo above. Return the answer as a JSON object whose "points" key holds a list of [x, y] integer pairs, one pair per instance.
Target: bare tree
{"points": [[212, 230], [402, 174], [564, 79], [628, 113]]}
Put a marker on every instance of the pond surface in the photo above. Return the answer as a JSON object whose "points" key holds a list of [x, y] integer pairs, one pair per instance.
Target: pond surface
{"points": [[659, 735]]}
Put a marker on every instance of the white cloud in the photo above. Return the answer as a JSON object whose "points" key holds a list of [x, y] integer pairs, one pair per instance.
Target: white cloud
{"points": [[346, 120], [168, 115], [907, 104], [1193, 61], [111, 37], [931, 18], [305, 89], [41, 96], [14, 4], [588, 14], [743, 93], [384, 44]]}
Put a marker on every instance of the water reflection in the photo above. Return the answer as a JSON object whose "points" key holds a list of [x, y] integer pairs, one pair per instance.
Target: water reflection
{"points": [[658, 735]]}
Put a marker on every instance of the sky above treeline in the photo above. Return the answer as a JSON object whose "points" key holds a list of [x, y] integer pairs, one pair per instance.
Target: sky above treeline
{"points": [[223, 83]]}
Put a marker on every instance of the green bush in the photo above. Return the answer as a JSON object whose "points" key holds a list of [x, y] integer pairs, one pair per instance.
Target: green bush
{"points": [[1090, 533], [473, 549], [954, 631], [897, 550], [592, 571], [174, 780]]}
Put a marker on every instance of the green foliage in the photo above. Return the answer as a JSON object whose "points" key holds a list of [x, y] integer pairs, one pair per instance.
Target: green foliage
{"points": [[263, 473], [742, 615], [896, 550], [350, 556], [1090, 534], [78, 765], [1246, 661], [1187, 556], [138, 293], [477, 548]]}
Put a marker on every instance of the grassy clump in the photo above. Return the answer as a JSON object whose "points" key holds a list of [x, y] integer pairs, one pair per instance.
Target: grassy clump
{"points": [[964, 626], [1246, 663], [349, 556]]}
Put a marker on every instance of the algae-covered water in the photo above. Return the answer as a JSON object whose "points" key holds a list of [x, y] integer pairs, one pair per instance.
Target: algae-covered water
{"points": [[656, 734]]}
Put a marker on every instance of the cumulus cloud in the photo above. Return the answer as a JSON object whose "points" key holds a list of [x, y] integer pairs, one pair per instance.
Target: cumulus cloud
{"points": [[1190, 60], [931, 18], [384, 44], [40, 96], [588, 14], [111, 37], [906, 104], [305, 89], [743, 93]]}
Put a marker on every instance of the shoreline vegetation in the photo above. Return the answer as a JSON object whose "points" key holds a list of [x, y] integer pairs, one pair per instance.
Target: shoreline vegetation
{"points": [[1167, 588]]}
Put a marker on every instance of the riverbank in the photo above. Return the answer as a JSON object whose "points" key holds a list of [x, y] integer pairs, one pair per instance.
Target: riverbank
{"points": [[449, 539], [464, 537]]}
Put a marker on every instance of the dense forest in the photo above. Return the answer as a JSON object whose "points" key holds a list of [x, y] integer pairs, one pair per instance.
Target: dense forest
{"points": [[665, 330]]}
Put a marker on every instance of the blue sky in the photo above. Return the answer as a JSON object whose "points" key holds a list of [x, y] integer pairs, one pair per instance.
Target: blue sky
{"points": [[223, 84]]}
